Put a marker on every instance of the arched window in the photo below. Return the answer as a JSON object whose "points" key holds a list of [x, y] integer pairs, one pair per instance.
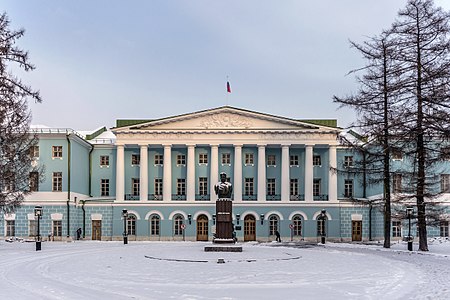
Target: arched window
{"points": [[177, 222], [297, 222], [273, 224], [154, 225], [131, 224]]}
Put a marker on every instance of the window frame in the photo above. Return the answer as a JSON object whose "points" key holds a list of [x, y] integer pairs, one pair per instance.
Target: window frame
{"points": [[249, 186], [104, 161], [104, 187], [181, 160], [271, 160], [203, 186], [271, 187], [203, 158], [226, 158], [57, 181], [249, 159], [348, 188], [135, 159], [57, 152], [317, 160], [158, 159], [181, 186], [293, 160], [135, 186]]}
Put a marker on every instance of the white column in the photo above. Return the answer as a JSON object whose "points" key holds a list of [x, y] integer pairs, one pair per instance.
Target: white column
{"points": [[167, 173], [143, 178], [332, 176], [237, 178], [120, 173], [214, 169], [261, 173], [285, 178], [309, 174], [190, 173]]}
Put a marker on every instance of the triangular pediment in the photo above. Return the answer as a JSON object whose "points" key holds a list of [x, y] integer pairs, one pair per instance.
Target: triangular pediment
{"points": [[223, 118]]}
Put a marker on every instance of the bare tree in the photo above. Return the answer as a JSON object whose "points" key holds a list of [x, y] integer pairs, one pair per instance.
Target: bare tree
{"points": [[15, 138]]}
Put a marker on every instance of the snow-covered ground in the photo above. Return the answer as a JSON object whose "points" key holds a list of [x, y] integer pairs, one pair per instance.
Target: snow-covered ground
{"points": [[182, 270]]}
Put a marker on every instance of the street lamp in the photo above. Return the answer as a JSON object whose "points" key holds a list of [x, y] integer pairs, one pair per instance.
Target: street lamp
{"points": [[190, 219], [125, 234], [214, 219], [238, 217], [38, 215], [409, 212], [262, 219], [323, 215]]}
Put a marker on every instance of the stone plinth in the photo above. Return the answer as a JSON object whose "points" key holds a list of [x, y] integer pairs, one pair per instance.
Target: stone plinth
{"points": [[223, 249]]}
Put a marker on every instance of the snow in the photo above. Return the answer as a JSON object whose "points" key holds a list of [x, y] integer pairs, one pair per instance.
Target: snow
{"points": [[182, 270]]}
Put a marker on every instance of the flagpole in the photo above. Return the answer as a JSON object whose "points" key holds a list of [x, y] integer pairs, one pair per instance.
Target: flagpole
{"points": [[228, 83]]}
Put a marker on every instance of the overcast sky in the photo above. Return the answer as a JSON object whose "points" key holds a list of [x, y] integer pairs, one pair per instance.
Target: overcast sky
{"points": [[98, 61]]}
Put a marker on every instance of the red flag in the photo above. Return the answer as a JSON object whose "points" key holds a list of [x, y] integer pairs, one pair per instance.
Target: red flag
{"points": [[228, 87]]}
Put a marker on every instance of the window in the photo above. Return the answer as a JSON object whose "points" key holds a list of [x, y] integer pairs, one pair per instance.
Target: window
{"points": [[396, 229], [271, 160], [249, 158], [203, 158], [203, 186], [154, 225], [34, 151], [293, 161], [445, 153], [226, 159], [158, 186], [397, 183], [10, 227], [7, 183], [396, 153], [181, 186], [248, 189], [135, 186], [57, 182], [131, 224], [181, 160], [316, 160], [177, 222], [32, 228], [159, 159], [135, 159], [57, 152], [443, 228], [57, 228], [348, 188], [316, 187], [294, 187], [273, 224], [34, 181], [104, 187], [445, 183], [270, 186], [104, 161], [297, 222], [348, 161]]}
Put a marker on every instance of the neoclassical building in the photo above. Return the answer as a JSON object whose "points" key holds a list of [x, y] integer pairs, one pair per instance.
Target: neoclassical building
{"points": [[162, 172]]}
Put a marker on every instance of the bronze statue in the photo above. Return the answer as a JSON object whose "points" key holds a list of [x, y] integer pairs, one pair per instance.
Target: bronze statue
{"points": [[224, 208], [223, 188]]}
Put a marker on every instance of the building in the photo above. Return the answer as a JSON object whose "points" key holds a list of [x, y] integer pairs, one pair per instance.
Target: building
{"points": [[163, 171]]}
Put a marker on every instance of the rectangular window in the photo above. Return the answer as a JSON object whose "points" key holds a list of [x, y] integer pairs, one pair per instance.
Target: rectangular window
{"points": [[348, 188], [203, 158], [57, 228], [316, 187], [135, 186], [135, 159], [270, 186], [271, 161], [181, 186], [32, 228], [249, 158], [226, 159], [203, 186], [248, 189], [294, 187], [158, 186], [348, 161], [34, 181], [445, 183], [10, 227], [154, 225], [181, 160], [293, 161], [396, 153], [104, 187], [443, 228], [396, 229], [57, 152], [317, 160], [397, 183], [104, 161], [159, 159], [34, 151], [57, 182], [445, 153]]}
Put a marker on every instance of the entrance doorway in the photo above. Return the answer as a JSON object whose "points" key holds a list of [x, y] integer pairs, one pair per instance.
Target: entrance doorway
{"points": [[249, 228], [96, 230], [356, 231], [202, 228]]}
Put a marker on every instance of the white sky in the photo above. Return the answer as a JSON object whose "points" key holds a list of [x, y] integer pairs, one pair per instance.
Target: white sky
{"points": [[98, 61]]}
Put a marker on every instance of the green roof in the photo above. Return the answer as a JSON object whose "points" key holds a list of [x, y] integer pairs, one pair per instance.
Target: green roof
{"points": [[123, 123], [324, 122], [95, 134]]}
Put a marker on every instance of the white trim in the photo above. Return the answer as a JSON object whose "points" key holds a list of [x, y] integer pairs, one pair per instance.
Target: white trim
{"points": [[10, 217], [357, 217], [56, 217], [316, 214], [201, 212], [298, 212], [31, 217], [96, 217], [178, 212], [249, 212], [274, 212], [133, 212], [154, 212]]}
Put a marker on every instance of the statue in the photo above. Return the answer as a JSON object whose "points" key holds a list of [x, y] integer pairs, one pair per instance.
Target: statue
{"points": [[223, 188], [224, 227]]}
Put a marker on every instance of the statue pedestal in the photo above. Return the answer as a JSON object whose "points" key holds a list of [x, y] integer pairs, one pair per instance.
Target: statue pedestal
{"points": [[224, 222]]}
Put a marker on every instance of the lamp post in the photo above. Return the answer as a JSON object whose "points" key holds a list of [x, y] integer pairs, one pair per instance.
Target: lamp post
{"points": [[190, 219], [409, 212], [238, 217], [125, 234], [323, 215], [38, 215]]}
